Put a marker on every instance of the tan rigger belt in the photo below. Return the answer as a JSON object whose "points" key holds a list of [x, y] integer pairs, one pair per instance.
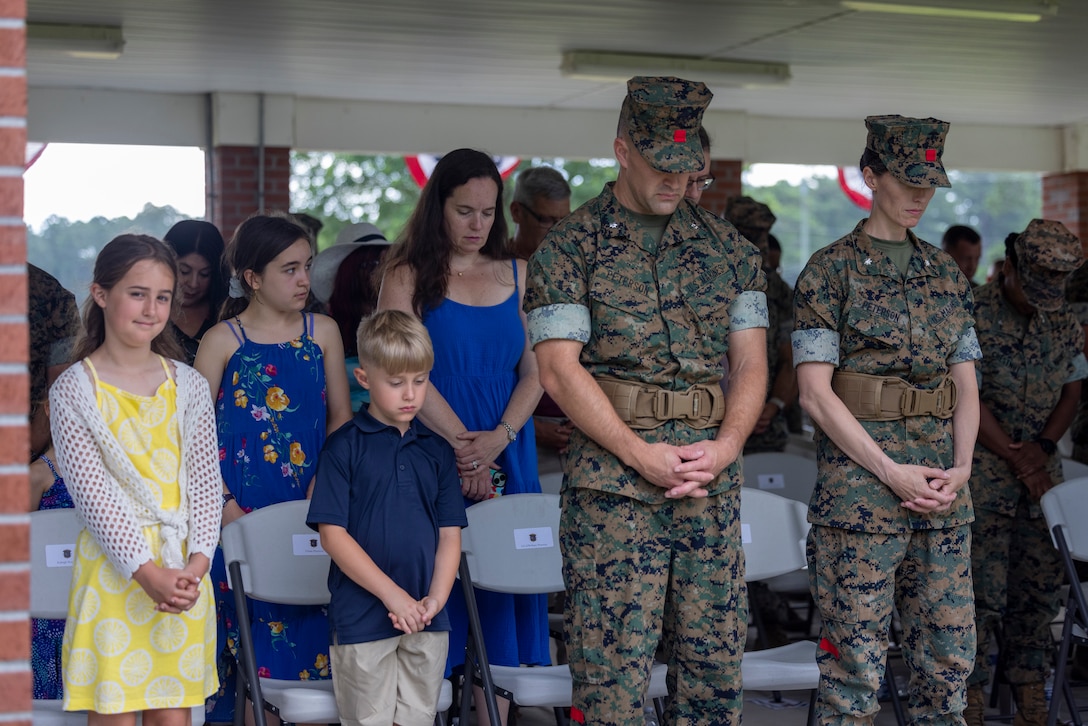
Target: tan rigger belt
{"points": [[887, 398], [643, 406]]}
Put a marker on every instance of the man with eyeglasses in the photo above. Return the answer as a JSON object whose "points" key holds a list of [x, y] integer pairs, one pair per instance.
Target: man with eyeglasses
{"points": [[700, 181], [541, 200]]}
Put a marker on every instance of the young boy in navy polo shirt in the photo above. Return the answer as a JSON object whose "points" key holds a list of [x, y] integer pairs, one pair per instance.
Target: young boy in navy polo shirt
{"points": [[387, 502]]}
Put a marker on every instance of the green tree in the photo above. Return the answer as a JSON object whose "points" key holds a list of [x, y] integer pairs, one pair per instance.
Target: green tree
{"points": [[67, 249], [340, 189]]}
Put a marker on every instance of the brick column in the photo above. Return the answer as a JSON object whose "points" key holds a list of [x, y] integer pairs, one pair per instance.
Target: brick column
{"points": [[1065, 198], [15, 677], [234, 188], [726, 173]]}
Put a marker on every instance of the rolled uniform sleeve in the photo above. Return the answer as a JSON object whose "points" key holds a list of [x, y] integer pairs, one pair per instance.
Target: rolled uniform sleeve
{"points": [[749, 310]]}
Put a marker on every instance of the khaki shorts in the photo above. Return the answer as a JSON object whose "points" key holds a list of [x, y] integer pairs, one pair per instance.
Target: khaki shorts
{"points": [[395, 680]]}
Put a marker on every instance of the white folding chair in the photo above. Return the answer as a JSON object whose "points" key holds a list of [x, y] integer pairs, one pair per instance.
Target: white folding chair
{"points": [[273, 556], [53, 535], [794, 477], [511, 545], [1066, 510], [1073, 469], [773, 531]]}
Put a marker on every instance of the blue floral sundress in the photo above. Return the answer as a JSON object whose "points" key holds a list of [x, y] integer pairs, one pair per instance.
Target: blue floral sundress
{"points": [[270, 415], [46, 634]]}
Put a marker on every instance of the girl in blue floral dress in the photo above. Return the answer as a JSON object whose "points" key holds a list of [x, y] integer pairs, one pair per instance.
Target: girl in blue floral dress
{"points": [[278, 379]]}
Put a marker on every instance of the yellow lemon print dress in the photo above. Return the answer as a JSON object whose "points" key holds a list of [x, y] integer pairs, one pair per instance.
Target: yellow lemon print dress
{"points": [[119, 653]]}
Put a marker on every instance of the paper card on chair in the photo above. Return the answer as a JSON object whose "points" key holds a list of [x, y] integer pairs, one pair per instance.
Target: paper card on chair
{"points": [[307, 544], [60, 555], [745, 533], [772, 481], [532, 538]]}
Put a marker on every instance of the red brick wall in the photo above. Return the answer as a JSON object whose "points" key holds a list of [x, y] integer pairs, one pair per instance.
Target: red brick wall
{"points": [[234, 190], [1065, 198], [15, 675], [726, 173]]}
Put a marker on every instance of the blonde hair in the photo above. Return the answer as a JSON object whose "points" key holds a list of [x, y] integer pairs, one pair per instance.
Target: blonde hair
{"points": [[394, 341]]}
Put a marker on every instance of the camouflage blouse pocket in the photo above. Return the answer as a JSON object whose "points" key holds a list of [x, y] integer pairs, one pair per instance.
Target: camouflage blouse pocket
{"points": [[622, 297], [866, 328], [709, 309]]}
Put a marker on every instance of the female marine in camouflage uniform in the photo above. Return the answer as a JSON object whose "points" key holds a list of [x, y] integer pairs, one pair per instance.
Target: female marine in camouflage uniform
{"points": [[884, 346]]}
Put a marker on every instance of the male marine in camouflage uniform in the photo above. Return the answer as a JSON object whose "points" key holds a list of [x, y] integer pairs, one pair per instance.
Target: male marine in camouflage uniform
{"points": [[633, 301], [754, 220], [884, 346], [1031, 371]]}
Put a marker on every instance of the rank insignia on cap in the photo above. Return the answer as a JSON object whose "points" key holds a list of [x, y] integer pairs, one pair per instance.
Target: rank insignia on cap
{"points": [[679, 136], [931, 155]]}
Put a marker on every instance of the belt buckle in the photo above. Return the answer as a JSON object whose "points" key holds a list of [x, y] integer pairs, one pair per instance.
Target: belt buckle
{"points": [[662, 405], [922, 403]]}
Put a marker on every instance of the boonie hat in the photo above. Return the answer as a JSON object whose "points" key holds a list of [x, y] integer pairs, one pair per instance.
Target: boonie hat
{"points": [[1046, 255], [327, 262], [751, 218], [663, 115], [911, 148]]}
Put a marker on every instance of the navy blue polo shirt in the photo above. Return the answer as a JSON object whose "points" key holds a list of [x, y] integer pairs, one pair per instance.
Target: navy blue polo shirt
{"points": [[391, 493]]}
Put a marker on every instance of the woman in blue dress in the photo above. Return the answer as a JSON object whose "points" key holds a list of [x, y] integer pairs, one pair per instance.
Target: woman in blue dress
{"points": [[278, 381], [452, 269]]}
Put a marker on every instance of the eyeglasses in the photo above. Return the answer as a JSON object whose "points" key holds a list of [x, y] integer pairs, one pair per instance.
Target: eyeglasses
{"points": [[545, 222], [701, 184]]}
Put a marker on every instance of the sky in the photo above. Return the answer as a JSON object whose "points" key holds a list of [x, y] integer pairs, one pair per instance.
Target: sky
{"points": [[83, 181]]}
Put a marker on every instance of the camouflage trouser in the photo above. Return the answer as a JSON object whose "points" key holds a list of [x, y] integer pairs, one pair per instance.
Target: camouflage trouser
{"points": [[633, 570], [1018, 580], [857, 579]]}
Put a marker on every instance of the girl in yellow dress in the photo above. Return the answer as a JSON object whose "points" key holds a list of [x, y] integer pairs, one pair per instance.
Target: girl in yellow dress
{"points": [[135, 433]]}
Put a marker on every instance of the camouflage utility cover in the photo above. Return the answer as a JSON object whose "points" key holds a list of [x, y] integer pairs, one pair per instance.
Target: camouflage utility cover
{"points": [[855, 310], [1046, 254], [663, 117], [751, 218], [911, 148]]}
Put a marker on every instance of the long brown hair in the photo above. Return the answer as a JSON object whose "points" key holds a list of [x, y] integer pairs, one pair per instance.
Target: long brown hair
{"points": [[424, 245], [111, 265]]}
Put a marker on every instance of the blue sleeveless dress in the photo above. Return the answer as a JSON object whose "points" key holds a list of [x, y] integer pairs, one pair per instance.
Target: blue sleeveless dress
{"points": [[45, 634], [270, 416], [476, 355]]}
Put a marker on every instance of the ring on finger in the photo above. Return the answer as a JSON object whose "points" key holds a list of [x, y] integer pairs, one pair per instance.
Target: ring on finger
{"points": [[475, 464]]}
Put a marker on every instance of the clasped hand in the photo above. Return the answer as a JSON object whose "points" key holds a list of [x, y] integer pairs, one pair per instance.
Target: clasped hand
{"points": [[926, 489], [476, 459], [1029, 462], [685, 471], [409, 615]]}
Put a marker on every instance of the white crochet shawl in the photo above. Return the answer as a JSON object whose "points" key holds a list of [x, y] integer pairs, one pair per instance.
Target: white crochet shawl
{"points": [[110, 495]]}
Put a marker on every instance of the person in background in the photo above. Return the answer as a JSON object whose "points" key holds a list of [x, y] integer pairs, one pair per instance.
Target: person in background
{"points": [[312, 225], [343, 279], [277, 376], [542, 188], [633, 302], [453, 270], [896, 417], [53, 324], [202, 285], [754, 220], [1031, 375], [387, 503], [965, 246]]}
